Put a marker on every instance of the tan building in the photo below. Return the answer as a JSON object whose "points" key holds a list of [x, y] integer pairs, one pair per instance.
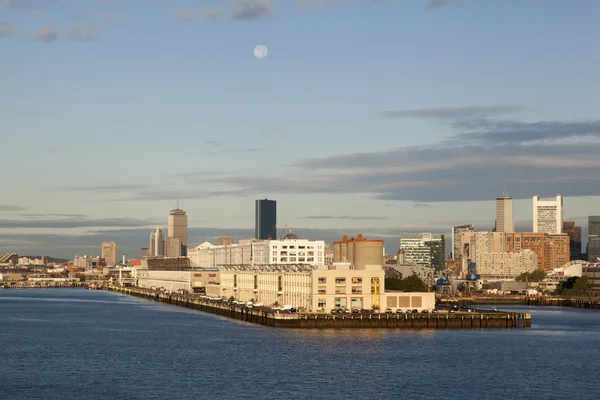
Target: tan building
{"points": [[359, 252], [494, 256], [319, 289], [109, 252], [505, 221], [178, 225]]}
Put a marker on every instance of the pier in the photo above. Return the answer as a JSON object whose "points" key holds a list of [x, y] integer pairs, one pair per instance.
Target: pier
{"points": [[459, 320], [530, 301]]}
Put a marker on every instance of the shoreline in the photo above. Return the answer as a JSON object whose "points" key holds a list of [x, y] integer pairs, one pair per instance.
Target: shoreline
{"points": [[464, 320]]}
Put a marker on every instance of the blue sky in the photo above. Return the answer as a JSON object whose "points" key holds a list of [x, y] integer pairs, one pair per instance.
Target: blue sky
{"points": [[367, 116]]}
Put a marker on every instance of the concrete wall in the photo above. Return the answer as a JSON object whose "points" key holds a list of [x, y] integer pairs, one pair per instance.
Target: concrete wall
{"points": [[409, 301]]}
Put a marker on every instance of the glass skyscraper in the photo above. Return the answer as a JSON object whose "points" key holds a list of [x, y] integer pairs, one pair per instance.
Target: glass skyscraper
{"points": [[266, 220]]}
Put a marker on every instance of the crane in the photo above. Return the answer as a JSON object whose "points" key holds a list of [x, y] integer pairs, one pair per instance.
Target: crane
{"points": [[375, 293]]}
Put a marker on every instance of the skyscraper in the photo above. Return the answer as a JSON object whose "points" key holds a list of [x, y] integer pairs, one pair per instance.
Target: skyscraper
{"points": [[547, 215], [266, 220], [109, 252], [574, 233], [157, 241], [505, 221], [593, 245], [178, 237]]}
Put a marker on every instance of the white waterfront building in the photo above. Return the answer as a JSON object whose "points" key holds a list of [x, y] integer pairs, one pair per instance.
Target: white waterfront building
{"points": [[290, 250]]}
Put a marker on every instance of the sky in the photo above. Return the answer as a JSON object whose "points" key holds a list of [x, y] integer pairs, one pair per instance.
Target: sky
{"points": [[367, 116]]}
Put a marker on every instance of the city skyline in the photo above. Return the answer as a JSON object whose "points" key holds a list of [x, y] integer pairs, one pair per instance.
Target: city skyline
{"points": [[383, 118]]}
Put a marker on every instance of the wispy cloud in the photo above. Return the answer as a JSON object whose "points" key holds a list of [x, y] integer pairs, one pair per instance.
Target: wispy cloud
{"points": [[438, 3], [240, 10], [84, 34], [7, 30], [456, 112], [423, 205], [107, 188], [71, 223], [10, 208], [46, 35], [227, 150]]}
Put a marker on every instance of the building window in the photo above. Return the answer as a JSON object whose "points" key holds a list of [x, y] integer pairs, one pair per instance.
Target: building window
{"points": [[212, 275], [323, 280], [340, 290], [322, 290], [255, 281], [340, 302], [356, 280], [322, 303], [356, 289], [340, 280]]}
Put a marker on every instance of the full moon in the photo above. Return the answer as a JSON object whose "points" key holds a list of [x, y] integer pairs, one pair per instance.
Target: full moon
{"points": [[260, 51]]}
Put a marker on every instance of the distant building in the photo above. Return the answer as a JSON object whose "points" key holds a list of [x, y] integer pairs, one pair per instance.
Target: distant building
{"points": [[145, 252], [456, 232], [547, 215], [109, 252], [359, 252], [265, 220], [574, 233], [289, 250], [593, 245], [157, 242], [489, 252], [178, 233], [592, 271], [424, 249], [225, 241], [505, 221]]}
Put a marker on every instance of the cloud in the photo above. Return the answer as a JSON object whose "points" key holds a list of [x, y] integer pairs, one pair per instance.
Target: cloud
{"points": [[32, 215], [46, 35], [241, 10], [186, 15], [107, 188], [227, 150], [423, 205], [71, 223], [7, 30], [455, 112], [438, 3], [10, 208], [84, 34], [346, 217], [475, 164]]}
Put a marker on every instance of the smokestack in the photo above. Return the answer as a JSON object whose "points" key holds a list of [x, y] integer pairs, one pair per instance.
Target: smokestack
{"points": [[123, 259]]}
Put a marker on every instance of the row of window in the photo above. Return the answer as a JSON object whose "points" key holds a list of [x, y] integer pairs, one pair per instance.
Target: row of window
{"points": [[341, 281]]}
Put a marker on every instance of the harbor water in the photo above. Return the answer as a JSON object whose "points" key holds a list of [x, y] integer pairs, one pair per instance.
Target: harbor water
{"points": [[76, 343]]}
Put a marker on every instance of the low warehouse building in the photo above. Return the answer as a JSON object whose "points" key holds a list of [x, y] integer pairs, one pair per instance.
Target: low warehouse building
{"points": [[193, 280]]}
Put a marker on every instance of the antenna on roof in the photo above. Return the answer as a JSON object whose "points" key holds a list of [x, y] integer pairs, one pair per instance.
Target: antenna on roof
{"points": [[178, 204]]}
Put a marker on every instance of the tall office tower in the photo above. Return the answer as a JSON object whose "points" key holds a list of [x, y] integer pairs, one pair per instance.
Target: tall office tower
{"points": [[505, 220], [574, 233], [593, 245], [547, 215], [157, 241], [265, 220], [177, 230], [109, 252], [456, 231]]}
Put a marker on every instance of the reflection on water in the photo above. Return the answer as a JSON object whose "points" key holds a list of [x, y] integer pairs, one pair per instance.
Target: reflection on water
{"points": [[98, 345]]}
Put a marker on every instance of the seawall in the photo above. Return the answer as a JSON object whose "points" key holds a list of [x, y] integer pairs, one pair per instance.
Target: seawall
{"points": [[328, 321], [526, 301]]}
